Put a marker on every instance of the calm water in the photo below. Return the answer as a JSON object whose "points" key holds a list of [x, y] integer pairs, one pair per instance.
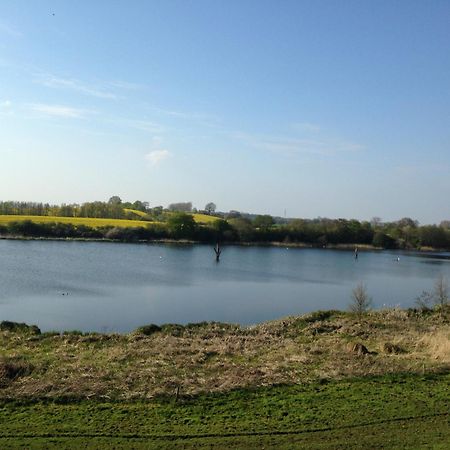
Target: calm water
{"points": [[118, 287]]}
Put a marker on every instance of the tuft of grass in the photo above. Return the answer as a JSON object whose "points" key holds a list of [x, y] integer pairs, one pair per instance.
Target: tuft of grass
{"points": [[12, 368], [437, 343]]}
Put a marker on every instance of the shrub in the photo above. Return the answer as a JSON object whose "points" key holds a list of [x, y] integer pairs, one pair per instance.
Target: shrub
{"points": [[148, 330], [16, 327], [361, 302]]}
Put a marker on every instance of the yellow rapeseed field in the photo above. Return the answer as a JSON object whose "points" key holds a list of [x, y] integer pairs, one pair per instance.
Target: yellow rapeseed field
{"points": [[90, 222], [204, 218], [135, 211]]}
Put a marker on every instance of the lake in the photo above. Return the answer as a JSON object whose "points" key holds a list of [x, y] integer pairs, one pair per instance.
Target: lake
{"points": [[101, 286]]}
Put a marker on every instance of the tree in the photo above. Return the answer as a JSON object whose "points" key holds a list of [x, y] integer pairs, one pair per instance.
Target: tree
{"points": [[140, 206], [376, 222], [407, 222], [115, 200], [233, 214], [181, 225], [223, 230], [157, 210], [181, 207], [264, 221], [433, 236], [383, 240], [361, 302], [441, 292], [243, 228], [210, 208]]}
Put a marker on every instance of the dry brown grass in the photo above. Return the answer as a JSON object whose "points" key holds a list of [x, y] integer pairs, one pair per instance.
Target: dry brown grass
{"points": [[437, 345], [218, 357]]}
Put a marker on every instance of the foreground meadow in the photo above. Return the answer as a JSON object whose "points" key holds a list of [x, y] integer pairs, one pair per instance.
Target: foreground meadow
{"points": [[322, 380]]}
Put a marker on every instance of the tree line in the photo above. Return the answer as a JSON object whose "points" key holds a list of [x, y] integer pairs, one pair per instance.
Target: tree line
{"points": [[403, 234], [114, 208]]}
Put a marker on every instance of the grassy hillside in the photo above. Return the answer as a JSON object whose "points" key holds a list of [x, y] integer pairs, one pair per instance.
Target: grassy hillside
{"points": [[91, 222]]}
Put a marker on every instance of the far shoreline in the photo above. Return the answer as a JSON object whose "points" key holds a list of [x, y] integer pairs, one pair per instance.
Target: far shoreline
{"points": [[346, 247]]}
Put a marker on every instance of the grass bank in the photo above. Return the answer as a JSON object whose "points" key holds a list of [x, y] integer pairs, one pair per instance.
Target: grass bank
{"points": [[322, 380], [216, 357]]}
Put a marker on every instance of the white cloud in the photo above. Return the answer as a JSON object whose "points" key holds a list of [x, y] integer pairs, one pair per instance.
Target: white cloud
{"points": [[75, 85], [157, 156], [59, 111], [5, 104]]}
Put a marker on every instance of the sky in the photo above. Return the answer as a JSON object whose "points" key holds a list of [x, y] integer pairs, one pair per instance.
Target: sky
{"points": [[308, 109]]}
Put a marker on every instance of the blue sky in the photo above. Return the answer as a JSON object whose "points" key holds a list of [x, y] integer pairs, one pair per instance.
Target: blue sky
{"points": [[320, 108]]}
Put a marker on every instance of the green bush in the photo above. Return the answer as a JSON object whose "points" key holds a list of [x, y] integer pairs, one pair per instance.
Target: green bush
{"points": [[16, 327]]}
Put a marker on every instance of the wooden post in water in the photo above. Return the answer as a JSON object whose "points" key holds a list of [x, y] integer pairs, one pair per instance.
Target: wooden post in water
{"points": [[217, 251]]}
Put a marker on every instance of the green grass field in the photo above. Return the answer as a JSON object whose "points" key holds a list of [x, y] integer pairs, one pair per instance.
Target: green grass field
{"points": [[390, 412], [90, 222]]}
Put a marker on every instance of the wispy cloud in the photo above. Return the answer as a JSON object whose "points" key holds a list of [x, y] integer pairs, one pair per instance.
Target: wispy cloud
{"points": [[288, 145], [155, 157], [421, 169], [62, 111], [9, 30], [5, 104], [53, 81], [144, 125], [126, 85], [306, 127], [201, 118]]}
